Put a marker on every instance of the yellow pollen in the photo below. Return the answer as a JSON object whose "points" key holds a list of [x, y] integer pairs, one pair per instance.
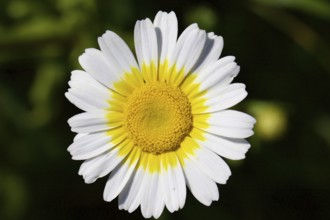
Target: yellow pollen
{"points": [[158, 117]]}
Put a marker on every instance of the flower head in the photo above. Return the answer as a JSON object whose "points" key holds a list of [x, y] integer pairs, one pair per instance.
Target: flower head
{"points": [[159, 123]]}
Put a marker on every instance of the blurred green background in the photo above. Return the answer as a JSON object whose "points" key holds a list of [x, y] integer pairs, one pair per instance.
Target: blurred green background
{"points": [[284, 51]]}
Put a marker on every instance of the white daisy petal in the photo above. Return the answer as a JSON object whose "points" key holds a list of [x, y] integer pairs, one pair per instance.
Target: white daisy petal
{"points": [[117, 52], [218, 100], [210, 53], [218, 74], [85, 78], [150, 194], [171, 202], [87, 94], [212, 165], [213, 68], [78, 102], [174, 186], [119, 177], [228, 78], [159, 202], [90, 122], [181, 185], [124, 194], [95, 63], [188, 48], [201, 186], [90, 145], [152, 202], [130, 193], [234, 149], [139, 193], [166, 26], [99, 166], [82, 76], [79, 135], [145, 43], [230, 123]]}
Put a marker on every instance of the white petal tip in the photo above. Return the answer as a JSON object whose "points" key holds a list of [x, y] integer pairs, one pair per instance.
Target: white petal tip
{"points": [[80, 157], [76, 158], [90, 181], [208, 203]]}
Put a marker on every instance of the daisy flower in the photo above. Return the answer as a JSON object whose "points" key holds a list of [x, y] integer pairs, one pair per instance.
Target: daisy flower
{"points": [[159, 122]]}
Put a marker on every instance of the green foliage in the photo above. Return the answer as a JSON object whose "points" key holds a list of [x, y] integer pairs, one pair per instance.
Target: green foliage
{"points": [[282, 47]]}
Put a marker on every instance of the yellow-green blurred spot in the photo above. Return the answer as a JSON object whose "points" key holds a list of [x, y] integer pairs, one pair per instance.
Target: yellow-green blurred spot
{"points": [[319, 8], [322, 127], [271, 119], [18, 9], [203, 15], [13, 191], [67, 5], [48, 76]]}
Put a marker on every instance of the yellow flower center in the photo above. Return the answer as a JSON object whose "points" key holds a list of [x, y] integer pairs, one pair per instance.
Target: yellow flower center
{"points": [[158, 117]]}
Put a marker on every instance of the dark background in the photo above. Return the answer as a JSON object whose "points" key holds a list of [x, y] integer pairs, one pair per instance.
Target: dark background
{"points": [[284, 52]]}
